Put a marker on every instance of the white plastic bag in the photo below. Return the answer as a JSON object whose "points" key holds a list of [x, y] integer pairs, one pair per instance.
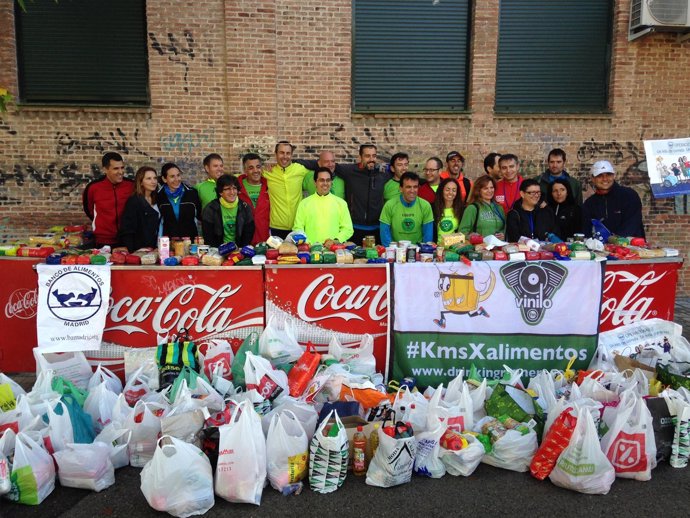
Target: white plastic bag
{"points": [[260, 375], [179, 479], [448, 414], [629, 442], [217, 359], [19, 418], [15, 387], [33, 472], [103, 374], [582, 466], [306, 414], [393, 461], [59, 432], [85, 466], [411, 407], [513, 451], [287, 451], [241, 469], [280, 344], [137, 386], [328, 456], [99, 405], [117, 439], [463, 462], [359, 358], [72, 366], [479, 396], [427, 461], [5, 482], [185, 426], [144, 358], [145, 427]]}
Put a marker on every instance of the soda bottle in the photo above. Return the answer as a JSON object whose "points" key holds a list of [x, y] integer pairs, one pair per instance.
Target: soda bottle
{"points": [[373, 441], [359, 448]]}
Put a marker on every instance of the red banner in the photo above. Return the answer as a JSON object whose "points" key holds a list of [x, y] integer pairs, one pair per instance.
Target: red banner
{"points": [[638, 291], [348, 301]]}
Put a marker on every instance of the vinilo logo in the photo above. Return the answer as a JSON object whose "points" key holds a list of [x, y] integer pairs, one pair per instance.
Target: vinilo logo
{"points": [[534, 285]]}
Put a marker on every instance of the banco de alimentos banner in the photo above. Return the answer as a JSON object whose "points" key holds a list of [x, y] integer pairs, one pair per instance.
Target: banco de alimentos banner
{"points": [[527, 314]]}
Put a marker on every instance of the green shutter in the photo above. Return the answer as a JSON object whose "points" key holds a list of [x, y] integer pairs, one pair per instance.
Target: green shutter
{"points": [[410, 55], [82, 52], [553, 56]]}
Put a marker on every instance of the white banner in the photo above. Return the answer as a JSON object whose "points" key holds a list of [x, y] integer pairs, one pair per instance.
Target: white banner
{"points": [[668, 166], [495, 297], [72, 306]]}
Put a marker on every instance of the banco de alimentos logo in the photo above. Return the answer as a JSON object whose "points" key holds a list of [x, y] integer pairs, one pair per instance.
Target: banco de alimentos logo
{"points": [[74, 295], [534, 285]]}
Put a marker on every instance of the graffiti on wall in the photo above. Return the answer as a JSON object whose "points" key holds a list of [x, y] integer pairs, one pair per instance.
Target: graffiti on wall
{"points": [[116, 140], [188, 142], [180, 51], [628, 160]]}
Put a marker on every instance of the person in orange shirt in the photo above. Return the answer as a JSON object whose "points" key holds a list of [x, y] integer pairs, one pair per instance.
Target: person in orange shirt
{"points": [[455, 164]]}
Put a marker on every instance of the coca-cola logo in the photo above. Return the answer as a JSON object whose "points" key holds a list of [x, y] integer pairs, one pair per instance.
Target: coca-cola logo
{"points": [[178, 309], [633, 305], [22, 304], [321, 300]]}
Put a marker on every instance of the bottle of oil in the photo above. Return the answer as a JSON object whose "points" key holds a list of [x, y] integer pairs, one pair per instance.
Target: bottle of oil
{"points": [[359, 449], [373, 441]]}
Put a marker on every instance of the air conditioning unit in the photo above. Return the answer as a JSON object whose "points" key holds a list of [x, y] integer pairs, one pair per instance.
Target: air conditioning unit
{"points": [[659, 14]]}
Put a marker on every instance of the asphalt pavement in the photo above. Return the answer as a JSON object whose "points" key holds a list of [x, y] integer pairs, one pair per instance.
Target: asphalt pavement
{"points": [[488, 491]]}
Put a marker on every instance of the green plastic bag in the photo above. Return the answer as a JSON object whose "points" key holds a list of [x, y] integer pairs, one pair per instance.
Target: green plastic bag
{"points": [[64, 387], [250, 344], [514, 402], [190, 376], [675, 381]]}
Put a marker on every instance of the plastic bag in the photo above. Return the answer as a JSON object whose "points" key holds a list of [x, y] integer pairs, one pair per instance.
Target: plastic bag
{"points": [[629, 442], [144, 357], [72, 366], [582, 466], [249, 345], [287, 452], [99, 405], [5, 481], [117, 439], [33, 472], [172, 356], [184, 426], [412, 407], [278, 344], [241, 469], [555, 441], [393, 461], [513, 451], [448, 414], [306, 415], [260, 375], [9, 391], [145, 427], [303, 371], [359, 358], [218, 357], [465, 461], [427, 461], [20, 417], [104, 375], [328, 456], [479, 395], [178, 480], [59, 432], [516, 403], [82, 427], [85, 466], [65, 387], [137, 386]]}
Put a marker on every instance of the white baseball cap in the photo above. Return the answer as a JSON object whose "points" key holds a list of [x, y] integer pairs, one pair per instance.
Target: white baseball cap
{"points": [[601, 167]]}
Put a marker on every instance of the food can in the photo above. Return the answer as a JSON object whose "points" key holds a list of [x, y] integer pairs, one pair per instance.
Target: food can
{"points": [[199, 240], [390, 254], [426, 258], [411, 254], [439, 254], [400, 255], [202, 250], [194, 249], [579, 238]]}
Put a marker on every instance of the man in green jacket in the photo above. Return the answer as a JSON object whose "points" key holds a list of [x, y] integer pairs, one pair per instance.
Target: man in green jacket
{"points": [[323, 215], [213, 165]]}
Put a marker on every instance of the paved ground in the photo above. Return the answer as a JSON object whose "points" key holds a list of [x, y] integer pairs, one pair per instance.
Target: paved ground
{"points": [[489, 491]]}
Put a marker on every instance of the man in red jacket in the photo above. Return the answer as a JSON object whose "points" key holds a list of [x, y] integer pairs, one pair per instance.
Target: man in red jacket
{"points": [[104, 200], [254, 191]]}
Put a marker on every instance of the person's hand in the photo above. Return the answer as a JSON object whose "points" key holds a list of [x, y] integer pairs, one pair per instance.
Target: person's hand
{"points": [[542, 205]]}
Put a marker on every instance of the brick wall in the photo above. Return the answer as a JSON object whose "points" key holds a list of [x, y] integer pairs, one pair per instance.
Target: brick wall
{"points": [[229, 77]]}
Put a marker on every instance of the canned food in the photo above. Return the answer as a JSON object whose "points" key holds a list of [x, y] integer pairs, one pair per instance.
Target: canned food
{"points": [[202, 250], [390, 254], [426, 258], [194, 249], [400, 256], [412, 254]]}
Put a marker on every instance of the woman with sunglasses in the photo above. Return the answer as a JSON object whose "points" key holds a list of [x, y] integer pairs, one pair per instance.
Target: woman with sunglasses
{"points": [[227, 218], [527, 218]]}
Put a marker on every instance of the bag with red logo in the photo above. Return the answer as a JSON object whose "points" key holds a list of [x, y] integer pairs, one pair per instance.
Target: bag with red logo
{"points": [[217, 359], [582, 466], [629, 442], [303, 371], [137, 387], [262, 377], [450, 415], [555, 441]]}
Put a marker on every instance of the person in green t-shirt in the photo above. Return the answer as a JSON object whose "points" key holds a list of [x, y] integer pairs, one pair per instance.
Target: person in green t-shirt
{"points": [[326, 159], [213, 165], [227, 218], [398, 164], [448, 208], [407, 217]]}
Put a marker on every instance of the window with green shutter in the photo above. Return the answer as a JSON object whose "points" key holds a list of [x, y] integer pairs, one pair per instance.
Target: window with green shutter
{"points": [[553, 56], [82, 52], [410, 55]]}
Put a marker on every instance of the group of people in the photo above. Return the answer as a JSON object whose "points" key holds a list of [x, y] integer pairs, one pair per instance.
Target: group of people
{"points": [[327, 200]]}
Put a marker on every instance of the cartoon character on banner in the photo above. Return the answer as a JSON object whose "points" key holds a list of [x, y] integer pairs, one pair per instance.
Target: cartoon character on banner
{"points": [[462, 289]]}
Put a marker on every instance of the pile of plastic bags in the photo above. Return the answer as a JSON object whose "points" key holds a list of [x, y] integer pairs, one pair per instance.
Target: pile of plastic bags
{"points": [[229, 422]]}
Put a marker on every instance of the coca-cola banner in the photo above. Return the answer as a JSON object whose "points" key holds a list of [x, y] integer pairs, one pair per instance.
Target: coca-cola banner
{"points": [[635, 291], [347, 301], [529, 315]]}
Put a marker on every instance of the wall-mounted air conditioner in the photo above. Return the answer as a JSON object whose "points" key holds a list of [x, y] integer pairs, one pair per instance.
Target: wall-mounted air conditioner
{"points": [[659, 15]]}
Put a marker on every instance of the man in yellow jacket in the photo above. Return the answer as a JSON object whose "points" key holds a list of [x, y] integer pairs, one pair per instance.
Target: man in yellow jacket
{"points": [[284, 189], [323, 215]]}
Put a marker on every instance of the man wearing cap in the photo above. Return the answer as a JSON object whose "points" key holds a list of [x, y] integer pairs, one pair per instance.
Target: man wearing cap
{"points": [[323, 215], [618, 208], [407, 217], [556, 170], [455, 163]]}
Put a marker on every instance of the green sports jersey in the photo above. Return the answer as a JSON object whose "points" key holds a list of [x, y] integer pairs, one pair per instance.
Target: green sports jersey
{"points": [[448, 224], [337, 187], [406, 222], [391, 189], [206, 191], [229, 221], [252, 191]]}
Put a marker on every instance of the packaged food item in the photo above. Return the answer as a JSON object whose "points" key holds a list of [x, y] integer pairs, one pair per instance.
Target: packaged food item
{"points": [[211, 259], [163, 247]]}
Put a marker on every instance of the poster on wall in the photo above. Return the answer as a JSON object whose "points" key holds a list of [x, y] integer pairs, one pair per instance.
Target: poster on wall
{"points": [[72, 306], [668, 165], [530, 315]]}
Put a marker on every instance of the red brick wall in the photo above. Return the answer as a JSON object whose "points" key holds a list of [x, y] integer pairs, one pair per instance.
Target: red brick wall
{"points": [[238, 76]]}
